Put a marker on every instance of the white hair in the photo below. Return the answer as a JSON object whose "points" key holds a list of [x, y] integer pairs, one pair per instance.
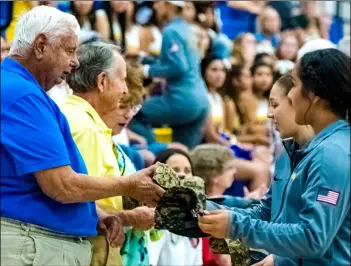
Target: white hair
{"points": [[50, 21]]}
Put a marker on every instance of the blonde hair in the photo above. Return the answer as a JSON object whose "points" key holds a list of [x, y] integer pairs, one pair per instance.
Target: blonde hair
{"points": [[209, 161], [264, 15], [134, 82]]}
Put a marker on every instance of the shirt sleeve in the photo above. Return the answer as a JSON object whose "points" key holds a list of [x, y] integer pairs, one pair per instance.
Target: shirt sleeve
{"points": [[174, 62], [31, 134], [319, 220], [260, 211]]}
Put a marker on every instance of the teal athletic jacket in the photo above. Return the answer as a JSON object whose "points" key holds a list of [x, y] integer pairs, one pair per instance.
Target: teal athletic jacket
{"points": [[305, 219], [179, 64]]}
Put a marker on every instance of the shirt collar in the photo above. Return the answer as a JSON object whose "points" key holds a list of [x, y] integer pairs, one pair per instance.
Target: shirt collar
{"points": [[12, 65], [83, 104], [325, 133]]}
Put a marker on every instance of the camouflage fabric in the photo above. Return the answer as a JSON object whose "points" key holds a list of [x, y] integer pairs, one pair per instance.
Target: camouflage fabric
{"points": [[129, 203], [198, 185], [165, 176], [177, 208], [240, 254]]}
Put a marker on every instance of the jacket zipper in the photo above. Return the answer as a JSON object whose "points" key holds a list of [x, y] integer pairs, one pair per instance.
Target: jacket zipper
{"points": [[283, 198]]}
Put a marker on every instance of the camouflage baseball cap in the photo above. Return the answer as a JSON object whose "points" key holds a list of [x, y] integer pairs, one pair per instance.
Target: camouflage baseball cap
{"points": [[177, 211], [198, 185], [165, 176], [240, 254]]}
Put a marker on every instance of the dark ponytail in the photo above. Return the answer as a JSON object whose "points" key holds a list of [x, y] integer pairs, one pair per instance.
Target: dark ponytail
{"points": [[326, 73], [91, 16], [122, 20]]}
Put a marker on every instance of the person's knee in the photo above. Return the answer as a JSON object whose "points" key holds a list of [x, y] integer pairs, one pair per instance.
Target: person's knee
{"points": [[262, 174], [148, 157], [263, 155], [255, 172]]}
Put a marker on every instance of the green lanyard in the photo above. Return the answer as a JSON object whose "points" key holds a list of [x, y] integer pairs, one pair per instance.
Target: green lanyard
{"points": [[121, 163]]}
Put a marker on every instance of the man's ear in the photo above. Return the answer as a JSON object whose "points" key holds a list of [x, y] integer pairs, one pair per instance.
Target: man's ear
{"points": [[101, 81], [39, 45]]}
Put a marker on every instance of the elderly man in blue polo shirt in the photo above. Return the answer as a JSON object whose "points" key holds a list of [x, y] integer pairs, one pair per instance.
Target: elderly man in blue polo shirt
{"points": [[47, 200]]}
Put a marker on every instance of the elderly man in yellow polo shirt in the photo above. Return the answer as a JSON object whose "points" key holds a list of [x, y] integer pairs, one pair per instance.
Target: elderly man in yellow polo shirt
{"points": [[97, 87]]}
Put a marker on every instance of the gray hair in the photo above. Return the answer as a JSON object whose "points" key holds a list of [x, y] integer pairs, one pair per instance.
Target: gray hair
{"points": [[51, 22], [94, 58]]}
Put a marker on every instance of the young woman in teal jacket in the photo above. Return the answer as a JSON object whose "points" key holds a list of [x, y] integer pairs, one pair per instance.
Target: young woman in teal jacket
{"points": [[305, 219]]}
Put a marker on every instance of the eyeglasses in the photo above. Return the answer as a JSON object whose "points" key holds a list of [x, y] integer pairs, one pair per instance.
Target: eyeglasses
{"points": [[127, 108], [136, 108]]}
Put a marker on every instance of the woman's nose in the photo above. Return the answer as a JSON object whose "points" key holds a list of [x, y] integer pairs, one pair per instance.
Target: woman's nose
{"points": [[270, 115], [181, 176]]}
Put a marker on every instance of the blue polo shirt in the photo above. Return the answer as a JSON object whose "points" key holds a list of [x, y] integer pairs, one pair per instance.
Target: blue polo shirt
{"points": [[35, 136]]}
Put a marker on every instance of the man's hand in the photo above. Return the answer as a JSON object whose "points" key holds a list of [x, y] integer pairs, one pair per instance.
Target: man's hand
{"points": [[215, 223], [141, 218], [143, 188], [144, 218], [268, 261], [112, 228]]}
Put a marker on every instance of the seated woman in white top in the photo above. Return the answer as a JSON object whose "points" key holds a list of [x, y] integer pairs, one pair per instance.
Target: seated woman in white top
{"points": [[262, 75], [124, 32], [214, 74]]}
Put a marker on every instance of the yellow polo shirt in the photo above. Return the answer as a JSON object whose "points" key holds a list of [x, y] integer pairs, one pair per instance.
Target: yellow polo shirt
{"points": [[94, 141], [19, 8]]}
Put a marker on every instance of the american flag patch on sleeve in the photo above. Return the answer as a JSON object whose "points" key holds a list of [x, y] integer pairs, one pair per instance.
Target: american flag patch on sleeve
{"points": [[328, 196]]}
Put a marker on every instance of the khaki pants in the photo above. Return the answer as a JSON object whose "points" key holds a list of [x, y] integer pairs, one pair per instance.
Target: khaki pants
{"points": [[103, 254], [26, 244]]}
